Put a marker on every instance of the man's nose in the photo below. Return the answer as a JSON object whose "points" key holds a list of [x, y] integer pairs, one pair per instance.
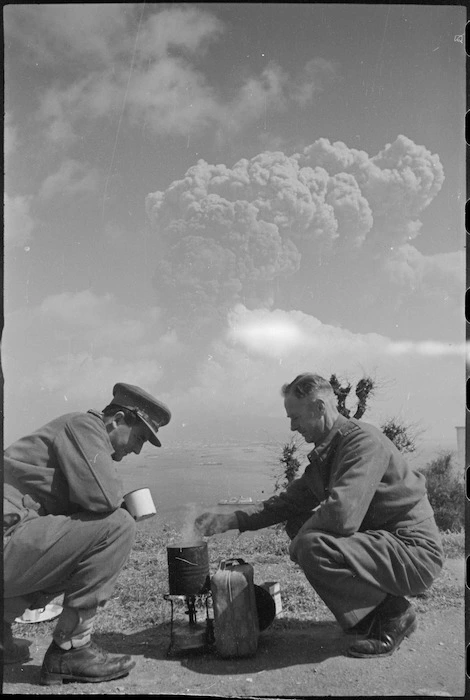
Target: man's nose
{"points": [[137, 449]]}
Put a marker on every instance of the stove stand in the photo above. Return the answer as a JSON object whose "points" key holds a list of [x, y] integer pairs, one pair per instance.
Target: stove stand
{"points": [[194, 636]]}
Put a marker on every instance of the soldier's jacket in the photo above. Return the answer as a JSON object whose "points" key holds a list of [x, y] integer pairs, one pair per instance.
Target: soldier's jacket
{"points": [[356, 480], [60, 469]]}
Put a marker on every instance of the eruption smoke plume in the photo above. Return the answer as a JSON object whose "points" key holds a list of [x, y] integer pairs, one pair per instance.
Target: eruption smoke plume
{"points": [[231, 235], [316, 231]]}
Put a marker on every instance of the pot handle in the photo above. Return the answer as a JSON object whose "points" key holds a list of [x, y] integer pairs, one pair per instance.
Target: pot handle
{"points": [[227, 563]]}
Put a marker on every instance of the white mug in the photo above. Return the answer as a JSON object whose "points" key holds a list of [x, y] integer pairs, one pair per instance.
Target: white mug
{"points": [[140, 504]]}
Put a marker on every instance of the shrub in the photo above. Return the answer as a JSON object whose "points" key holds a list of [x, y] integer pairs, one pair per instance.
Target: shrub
{"points": [[400, 434], [290, 464], [446, 493]]}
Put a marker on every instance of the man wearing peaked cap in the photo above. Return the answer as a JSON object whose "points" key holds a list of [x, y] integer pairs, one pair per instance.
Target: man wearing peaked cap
{"points": [[150, 411], [65, 531]]}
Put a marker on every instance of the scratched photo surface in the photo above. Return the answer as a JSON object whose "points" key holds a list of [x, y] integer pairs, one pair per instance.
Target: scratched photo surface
{"points": [[207, 199]]}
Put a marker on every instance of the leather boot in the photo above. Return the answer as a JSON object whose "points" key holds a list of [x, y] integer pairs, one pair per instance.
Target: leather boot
{"points": [[14, 651], [88, 664], [395, 620]]}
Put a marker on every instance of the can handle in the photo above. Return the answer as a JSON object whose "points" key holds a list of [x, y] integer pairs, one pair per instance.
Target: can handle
{"points": [[229, 562]]}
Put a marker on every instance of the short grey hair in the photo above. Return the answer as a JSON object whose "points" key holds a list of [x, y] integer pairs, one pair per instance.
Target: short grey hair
{"points": [[307, 384]]}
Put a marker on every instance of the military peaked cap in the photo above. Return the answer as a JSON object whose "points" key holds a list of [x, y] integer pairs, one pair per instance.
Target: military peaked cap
{"points": [[152, 412]]}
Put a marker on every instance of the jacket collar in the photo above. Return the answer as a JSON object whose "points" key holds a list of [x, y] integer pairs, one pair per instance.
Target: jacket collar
{"points": [[321, 451], [96, 413], [99, 414]]}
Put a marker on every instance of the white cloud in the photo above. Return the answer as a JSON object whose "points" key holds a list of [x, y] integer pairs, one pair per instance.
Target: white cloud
{"points": [[170, 96], [256, 95], [18, 222], [77, 309], [128, 62], [146, 62], [80, 344], [242, 374], [71, 178], [286, 334], [57, 106], [274, 90], [272, 334], [67, 352], [68, 31], [312, 79], [185, 28], [84, 325], [428, 347]]}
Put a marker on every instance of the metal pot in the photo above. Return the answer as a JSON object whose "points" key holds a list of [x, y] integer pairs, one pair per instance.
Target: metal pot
{"points": [[188, 568]]}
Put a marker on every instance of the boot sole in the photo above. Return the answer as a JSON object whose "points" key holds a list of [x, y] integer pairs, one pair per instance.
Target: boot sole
{"points": [[49, 678], [358, 655]]}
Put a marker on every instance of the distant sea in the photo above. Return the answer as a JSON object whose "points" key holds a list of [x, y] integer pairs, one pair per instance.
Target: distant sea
{"points": [[188, 479]]}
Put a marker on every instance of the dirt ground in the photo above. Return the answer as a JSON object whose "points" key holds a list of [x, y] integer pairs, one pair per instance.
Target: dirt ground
{"points": [[294, 659]]}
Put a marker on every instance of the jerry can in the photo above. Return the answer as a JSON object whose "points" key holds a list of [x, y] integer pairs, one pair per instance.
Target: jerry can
{"points": [[236, 627]]}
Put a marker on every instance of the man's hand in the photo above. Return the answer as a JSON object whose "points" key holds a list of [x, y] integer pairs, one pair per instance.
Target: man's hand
{"points": [[214, 523]]}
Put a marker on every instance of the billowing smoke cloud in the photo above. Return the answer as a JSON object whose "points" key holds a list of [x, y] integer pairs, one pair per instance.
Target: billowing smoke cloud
{"points": [[395, 185], [235, 235]]}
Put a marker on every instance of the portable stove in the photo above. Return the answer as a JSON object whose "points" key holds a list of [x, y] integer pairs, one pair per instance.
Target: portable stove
{"points": [[188, 575], [194, 636]]}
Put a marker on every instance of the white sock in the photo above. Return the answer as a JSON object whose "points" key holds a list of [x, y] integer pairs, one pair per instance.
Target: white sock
{"points": [[74, 628]]}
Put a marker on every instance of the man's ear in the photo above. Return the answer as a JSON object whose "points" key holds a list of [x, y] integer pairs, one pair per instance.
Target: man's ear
{"points": [[320, 406], [118, 418]]}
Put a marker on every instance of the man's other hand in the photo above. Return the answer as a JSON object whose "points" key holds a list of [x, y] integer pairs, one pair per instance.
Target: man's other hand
{"points": [[214, 523]]}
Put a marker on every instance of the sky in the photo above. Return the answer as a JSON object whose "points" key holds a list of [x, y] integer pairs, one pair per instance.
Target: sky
{"points": [[207, 199]]}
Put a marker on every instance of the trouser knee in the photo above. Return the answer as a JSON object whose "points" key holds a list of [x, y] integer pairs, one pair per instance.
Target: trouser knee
{"points": [[79, 555], [97, 570], [306, 549], [121, 531]]}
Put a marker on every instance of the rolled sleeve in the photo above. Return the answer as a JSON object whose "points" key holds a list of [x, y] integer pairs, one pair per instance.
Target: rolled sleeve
{"points": [[83, 451]]}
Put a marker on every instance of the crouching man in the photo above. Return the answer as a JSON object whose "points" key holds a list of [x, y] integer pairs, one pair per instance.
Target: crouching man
{"points": [[66, 532], [360, 523]]}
